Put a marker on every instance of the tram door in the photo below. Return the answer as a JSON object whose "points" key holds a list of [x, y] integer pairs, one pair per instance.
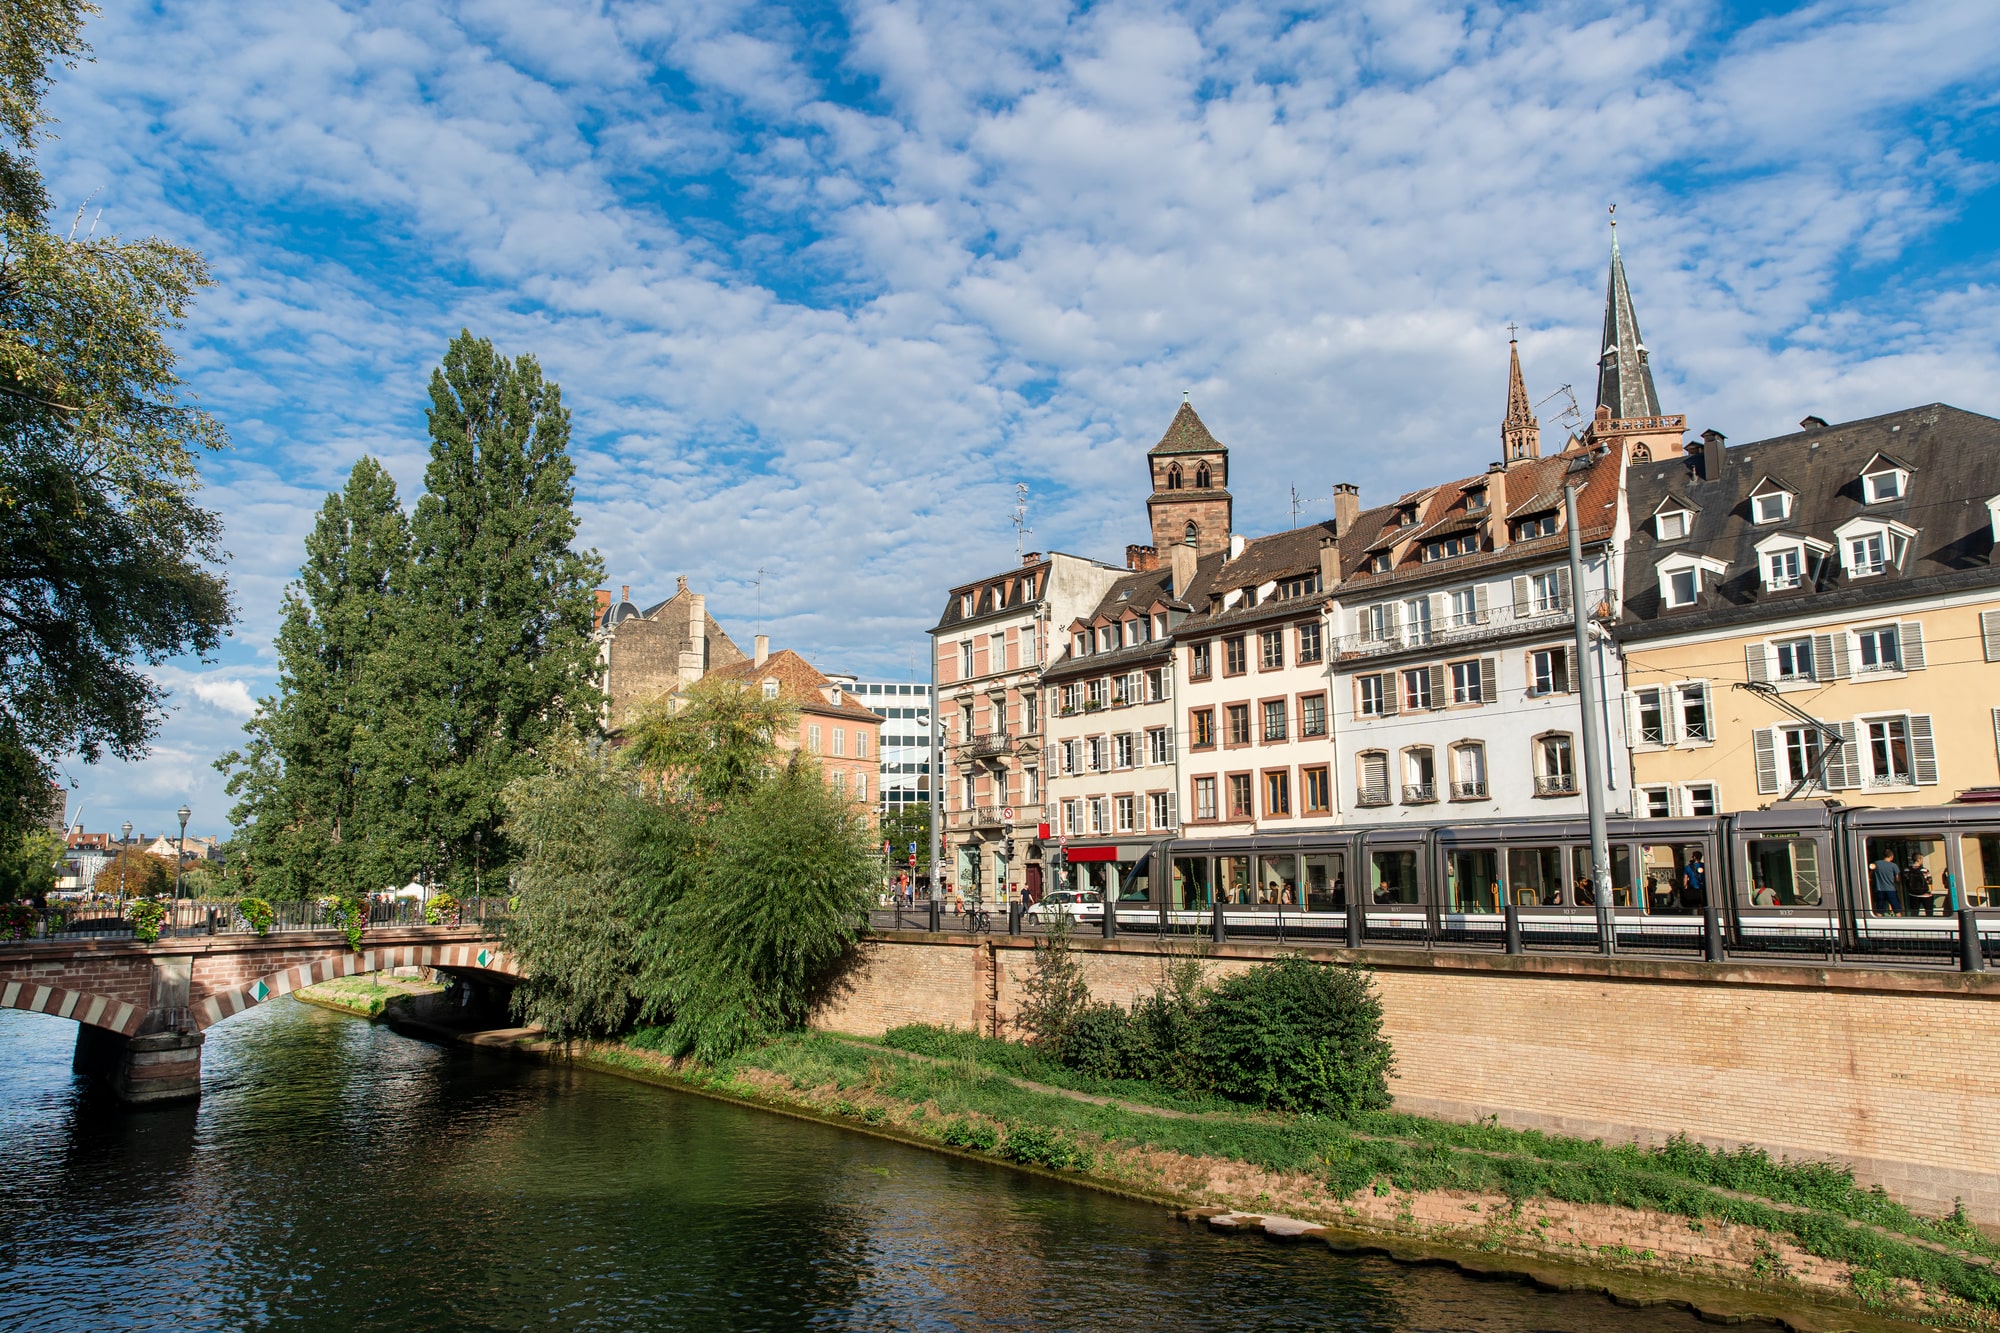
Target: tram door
{"points": [[1192, 890], [1784, 871]]}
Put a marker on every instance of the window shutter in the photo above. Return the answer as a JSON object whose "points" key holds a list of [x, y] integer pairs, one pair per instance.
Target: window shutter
{"points": [[1996, 731], [1489, 680], [1674, 803], [1911, 640], [1395, 619], [1392, 694], [1438, 697], [1563, 590], [1843, 770], [1822, 657], [1843, 663], [1757, 658], [1481, 608], [1440, 611], [1923, 750], [1767, 760], [1667, 732], [1520, 597], [1569, 657], [1989, 630], [1173, 809]]}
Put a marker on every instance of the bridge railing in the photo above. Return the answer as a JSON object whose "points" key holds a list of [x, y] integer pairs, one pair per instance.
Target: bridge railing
{"points": [[110, 918]]}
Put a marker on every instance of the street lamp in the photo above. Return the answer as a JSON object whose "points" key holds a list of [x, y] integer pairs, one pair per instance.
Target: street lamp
{"points": [[128, 831], [180, 853]]}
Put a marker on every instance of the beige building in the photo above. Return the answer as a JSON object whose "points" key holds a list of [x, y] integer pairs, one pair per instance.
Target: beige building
{"points": [[648, 655]]}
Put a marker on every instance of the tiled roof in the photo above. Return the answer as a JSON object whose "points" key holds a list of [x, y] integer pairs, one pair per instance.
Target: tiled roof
{"points": [[799, 682], [1186, 435]]}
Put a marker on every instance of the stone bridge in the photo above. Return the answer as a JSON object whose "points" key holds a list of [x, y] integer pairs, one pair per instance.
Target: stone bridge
{"points": [[142, 1008]]}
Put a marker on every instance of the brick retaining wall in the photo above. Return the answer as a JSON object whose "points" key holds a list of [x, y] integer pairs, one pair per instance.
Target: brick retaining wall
{"points": [[1890, 1072]]}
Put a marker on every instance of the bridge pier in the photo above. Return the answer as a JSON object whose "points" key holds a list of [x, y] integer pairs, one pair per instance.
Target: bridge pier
{"points": [[152, 1069]]}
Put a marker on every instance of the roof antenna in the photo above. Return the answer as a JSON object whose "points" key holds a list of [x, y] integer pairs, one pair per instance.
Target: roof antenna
{"points": [[760, 599], [1299, 502], [1020, 521]]}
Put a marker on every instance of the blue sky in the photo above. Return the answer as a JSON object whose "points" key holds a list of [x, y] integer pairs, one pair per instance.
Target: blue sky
{"points": [[822, 282]]}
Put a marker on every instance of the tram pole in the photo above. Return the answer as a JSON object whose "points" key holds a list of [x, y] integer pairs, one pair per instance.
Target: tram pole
{"points": [[1593, 741]]}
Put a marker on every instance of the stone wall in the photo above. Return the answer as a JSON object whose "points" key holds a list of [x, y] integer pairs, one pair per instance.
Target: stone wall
{"points": [[1886, 1071]]}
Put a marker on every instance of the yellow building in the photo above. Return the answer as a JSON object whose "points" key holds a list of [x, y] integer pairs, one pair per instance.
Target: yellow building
{"points": [[1845, 574]]}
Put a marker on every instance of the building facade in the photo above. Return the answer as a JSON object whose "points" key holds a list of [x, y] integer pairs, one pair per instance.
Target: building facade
{"points": [[649, 655], [833, 726], [906, 775]]}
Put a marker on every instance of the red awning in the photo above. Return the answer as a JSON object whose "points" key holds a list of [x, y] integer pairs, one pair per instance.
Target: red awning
{"points": [[1076, 854]]}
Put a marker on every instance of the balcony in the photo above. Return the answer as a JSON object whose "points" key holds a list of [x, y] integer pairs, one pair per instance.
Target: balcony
{"points": [[1419, 793], [1556, 784], [1468, 629], [990, 746], [1468, 791], [1372, 795]]}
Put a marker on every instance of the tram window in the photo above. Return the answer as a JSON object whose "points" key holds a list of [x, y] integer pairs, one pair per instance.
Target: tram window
{"points": [[1234, 872], [1906, 875], [1472, 880], [1979, 853], [1326, 882], [1394, 876], [1535, 876], [1621, 876], [1278, 881], [1783, 872], [1664, 865], [1191, 887]]}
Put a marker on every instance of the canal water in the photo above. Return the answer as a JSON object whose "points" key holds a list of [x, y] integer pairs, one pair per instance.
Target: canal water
{"points": [[336, 1176]]}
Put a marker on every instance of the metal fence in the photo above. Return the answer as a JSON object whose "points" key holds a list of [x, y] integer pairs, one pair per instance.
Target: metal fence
{"points": [[110, 918]]}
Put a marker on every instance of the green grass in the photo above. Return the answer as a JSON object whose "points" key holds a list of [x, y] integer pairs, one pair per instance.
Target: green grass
{"points": [[970, 1098], [362, 995]]}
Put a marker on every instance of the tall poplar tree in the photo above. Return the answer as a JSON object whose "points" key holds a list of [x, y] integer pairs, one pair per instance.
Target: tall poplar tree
{"points": [[500, 655], [323, 782]]}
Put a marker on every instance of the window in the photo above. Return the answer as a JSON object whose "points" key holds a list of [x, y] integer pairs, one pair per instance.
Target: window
{"points": [[1783, 568], [1310, 649], [1371, 696], [1417, 620], [1312, 715], [1238, 716], [1173, 476], [1545, 593], [1376, 562], [860, 786], [840, 782], [1530, 528], [1159, 810], [1135, 633], [1671, 526], [1555, 766], [1204, 798], [812, 732], [1189, 535], [1467, 683], [1302, 585], [1198, 661], [1274, 720], [1419, 776], [1417, 689], [1795, 659], [965, 659], [1653, 727], [1889, 752], [1867, 554], [1681, 587], [1694, 712], [1878, 650], [1770, 507], [1201, 728], [860, 744], [1122, 750], [770, 689], [1107, 638], [1475, 500], [1444, 548], [1656, 802], [1270, 650], [1464, 604], [1277, 794], [1701, 798], [1239, 796], [1373, 773], [1873, 545], [1468, 772], [1031, 708], [1316, 790], [1201, 476], [1378, 623], [1247, 597], [1406, 517], [969, 793], [1887, 484], [1548, 671], [1093, 694], [840, 740], [1072, 816], [1099, 814], [1028, 641], [1156, 684], [1094, 753], [1801, 753], [1123, 691], [1068, 752], [1159, 746], [1126, 808], [1232, 656]]}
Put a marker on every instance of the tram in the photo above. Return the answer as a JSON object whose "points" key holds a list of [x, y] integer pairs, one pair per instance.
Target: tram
{"points": [[1794, 878]]}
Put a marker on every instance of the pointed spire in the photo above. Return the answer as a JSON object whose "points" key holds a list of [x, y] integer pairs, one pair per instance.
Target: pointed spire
{"points": [[1624, 379], [1520, 433]]}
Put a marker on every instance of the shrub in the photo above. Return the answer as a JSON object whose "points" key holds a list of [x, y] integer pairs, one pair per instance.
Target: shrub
{"points": [[963, 1133], [1166, 1028], [1298, 1035], [148, 916], [441, 910], [1056, 993], [1102, 1041], [258, 913], [1037, 1145]]}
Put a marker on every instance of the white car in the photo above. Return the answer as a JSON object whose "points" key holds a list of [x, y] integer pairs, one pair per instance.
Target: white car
{"points": [[1075, 906]]}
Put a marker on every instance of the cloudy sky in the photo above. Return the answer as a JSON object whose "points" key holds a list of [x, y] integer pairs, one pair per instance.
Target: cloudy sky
{"points": [[823, 282]]}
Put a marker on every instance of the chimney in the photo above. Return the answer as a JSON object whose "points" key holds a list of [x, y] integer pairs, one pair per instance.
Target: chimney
{"points": [[603, 596], [1237, 543], [763, 642], [1346, 507], [1142, 559], [624, 592], [1496, 506], [1182, 560], [1329, 565], [1031, 558]]}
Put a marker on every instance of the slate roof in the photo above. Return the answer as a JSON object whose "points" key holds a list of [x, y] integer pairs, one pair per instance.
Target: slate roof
{"points": [[1140, 590], [670, 617], [1954, 460], [1186, 435], [1624, 378]]}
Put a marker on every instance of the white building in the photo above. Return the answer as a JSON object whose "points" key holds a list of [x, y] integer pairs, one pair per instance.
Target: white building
{"points": [[905, 710]]}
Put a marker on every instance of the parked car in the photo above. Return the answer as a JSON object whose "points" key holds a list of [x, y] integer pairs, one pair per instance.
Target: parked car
{"points": [[1064, 902]]}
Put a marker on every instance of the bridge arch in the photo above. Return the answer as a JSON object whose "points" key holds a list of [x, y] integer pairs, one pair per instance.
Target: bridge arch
{"points": [[100, 1011], [473, 957]]}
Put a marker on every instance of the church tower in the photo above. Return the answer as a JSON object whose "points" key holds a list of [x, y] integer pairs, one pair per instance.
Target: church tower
{"points": [[1520, 433], [1190, 504], [1628, 406]]}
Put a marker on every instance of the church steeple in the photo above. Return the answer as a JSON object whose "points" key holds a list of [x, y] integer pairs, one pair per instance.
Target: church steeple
{"points": [[1624, 379], [1520, 433], [1190, 504]]}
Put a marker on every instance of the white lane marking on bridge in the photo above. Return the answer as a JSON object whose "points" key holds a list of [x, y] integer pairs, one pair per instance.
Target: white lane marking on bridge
{"points": [[98, 1004], [9, 995], [41, 1001], [69, 999]]}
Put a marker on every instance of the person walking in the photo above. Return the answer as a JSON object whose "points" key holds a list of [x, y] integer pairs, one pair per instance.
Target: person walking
{"points": [[1694, 883]]}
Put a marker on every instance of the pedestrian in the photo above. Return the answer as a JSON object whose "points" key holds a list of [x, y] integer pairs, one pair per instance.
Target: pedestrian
{"points": [[1888, 879], [1694, 883]]}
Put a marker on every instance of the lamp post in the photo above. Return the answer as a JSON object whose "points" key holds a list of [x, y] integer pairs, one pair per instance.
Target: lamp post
{"points": [[128, 833], [180, 852]]}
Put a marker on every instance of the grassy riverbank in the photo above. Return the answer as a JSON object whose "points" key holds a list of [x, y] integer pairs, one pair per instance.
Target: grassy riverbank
{"points": [[365, 995], [1801, 1231]]}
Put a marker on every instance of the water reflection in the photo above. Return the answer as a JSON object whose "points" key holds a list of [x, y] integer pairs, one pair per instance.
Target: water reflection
{"points": [[336, 1176]]}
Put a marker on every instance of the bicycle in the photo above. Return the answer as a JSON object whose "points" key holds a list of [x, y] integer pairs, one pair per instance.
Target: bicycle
{"points": [[977, 919]]}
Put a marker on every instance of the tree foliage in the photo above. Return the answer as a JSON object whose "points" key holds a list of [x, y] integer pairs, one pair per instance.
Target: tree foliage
{"points": [[711, 743], [135, 873], [107, 562]]}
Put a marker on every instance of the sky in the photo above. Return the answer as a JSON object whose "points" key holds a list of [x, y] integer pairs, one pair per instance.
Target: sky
{"points": [[823, 282]]}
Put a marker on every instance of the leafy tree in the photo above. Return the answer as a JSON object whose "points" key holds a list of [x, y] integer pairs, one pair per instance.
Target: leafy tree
{"points": [[322, 797], [499, 659], [31, 871], [107, 563], [135, 873], [1056, 993], [710, 744], [903, 825]]}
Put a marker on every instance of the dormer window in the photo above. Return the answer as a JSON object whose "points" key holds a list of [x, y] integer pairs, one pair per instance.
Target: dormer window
{"points": [[1770, 502], [836, 698], [1443, 549], [1683, 578], [770, 688], [1475, 501], [1530, 528], [1082, 645], [1671, 525], [1107, 638], [1884, 483], [1377, 563], [1785, 561], [1873, 546]]}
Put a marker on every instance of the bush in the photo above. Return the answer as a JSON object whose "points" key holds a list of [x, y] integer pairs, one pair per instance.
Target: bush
{"points": [[1166, 1029], [1037, 1145], [441, 909], [1298, 1035], [258, 913], [963, 1133], [1101, 1040]]}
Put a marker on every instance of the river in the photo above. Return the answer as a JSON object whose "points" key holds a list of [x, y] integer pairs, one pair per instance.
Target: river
{"points": [[337, 1176]]}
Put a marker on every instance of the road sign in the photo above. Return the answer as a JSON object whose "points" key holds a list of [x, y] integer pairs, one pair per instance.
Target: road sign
{"points": [[1007, 815], [913, 849], [913, 860]]}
